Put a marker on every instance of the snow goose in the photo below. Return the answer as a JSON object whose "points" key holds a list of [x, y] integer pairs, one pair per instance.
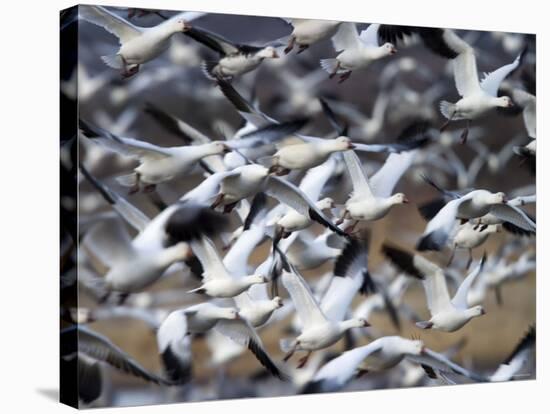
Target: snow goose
{"points": [[469, 236], [446, 315], [206, 316], [133, 265], [254, 305], [315, 150], [474, 204], [235, 59], [477, 98], [137, 44], [372, 199], [308, 252], [245, 181], [312, 185], [355, 50], [156, 164], [252, 140], [306, 32], [381, 354], [217, 282], [515, 362], [320, 327], [82, 349]]}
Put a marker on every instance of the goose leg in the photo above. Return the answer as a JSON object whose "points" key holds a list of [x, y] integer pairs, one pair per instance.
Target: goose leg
{"points": [[229, 207], [350, 229], [217, 201], [336, 69], [464, 135], [360, 372], [291, 352], [303, 361], [447, 123], [469, 259], [290, 45], [302, 48], [344, 217], [344, 76], [135, 188], [452, 256]]}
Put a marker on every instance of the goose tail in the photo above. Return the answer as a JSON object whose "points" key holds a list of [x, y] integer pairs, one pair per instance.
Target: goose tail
{"points": [[447, 109]]}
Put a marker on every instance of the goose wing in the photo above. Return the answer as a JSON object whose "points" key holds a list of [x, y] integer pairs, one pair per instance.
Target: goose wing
{"points": [[241, 332], [384, 181], [175, 347], [308, 309], [369, 36], [210, 260], [346, 37], [443, 364], [514, 215], [460, 299], [491, 81], [116, 25], [292, 196], [358, 177]]}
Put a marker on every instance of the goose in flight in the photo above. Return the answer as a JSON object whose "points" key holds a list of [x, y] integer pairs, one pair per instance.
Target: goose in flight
{"points": [[217, 281], [469, 236], [447, 314], [355, 51], [137, 44], [156, 164], [372, 198], [322, 325], [203, 317], [133, 264], [381, 354], [306, 32], [83, 349], [472, 205], [234, 59], [477, 97]]}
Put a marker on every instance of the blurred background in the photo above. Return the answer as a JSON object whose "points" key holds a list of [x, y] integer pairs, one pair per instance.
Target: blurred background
{"points": [[377, 102]]}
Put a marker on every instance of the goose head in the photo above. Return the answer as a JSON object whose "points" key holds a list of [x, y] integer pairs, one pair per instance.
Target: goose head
{"points": [[475, 311], [255, 171], [503, 102], [388, 49], [341, 143], [354, 323], [412, 347], [178, 25], [216, 148], [230, 314], [325, 203], [399, 198], [497, 198], [277, 302], [255, 279], [268, 52]]}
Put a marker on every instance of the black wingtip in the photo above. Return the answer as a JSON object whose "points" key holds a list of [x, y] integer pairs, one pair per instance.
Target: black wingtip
{"points": [[368, 286], [516, 230], [403, 260], [349, 254], [313, 387], [266, 361], [97, 185], [528, 341], [429, 242], [190, 222], [177, 371], [430, 209], [258, 204]]}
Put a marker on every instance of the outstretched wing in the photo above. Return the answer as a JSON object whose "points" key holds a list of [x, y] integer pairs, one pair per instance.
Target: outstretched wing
{"points": [[114, 24]]}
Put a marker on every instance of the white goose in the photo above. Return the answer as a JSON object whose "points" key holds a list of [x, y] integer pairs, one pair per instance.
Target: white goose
{"points": [[312, 185], [372, 199], [306, 32], [323, 326], [381, 354], [469, 236], [133, 264], [477, 97], [235, 59], [446, 315], [217, 281], [203, 317], [356, 51], [156, 164], [474, 204], [137, 44]]}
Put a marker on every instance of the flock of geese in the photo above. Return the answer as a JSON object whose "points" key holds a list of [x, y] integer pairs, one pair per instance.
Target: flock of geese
{"points": [[270, 203]]}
